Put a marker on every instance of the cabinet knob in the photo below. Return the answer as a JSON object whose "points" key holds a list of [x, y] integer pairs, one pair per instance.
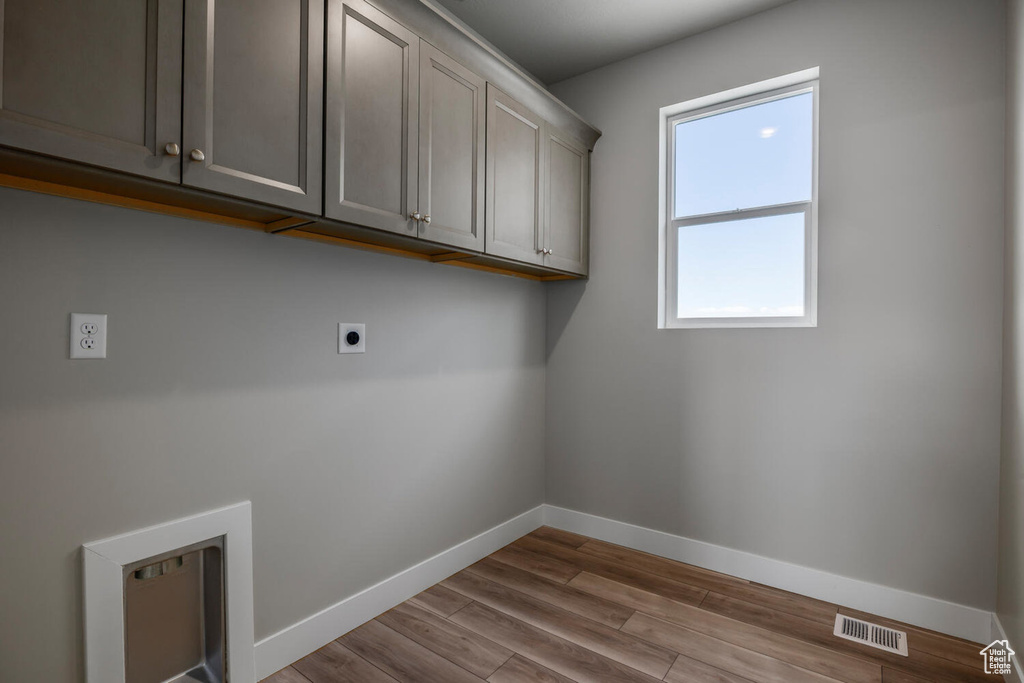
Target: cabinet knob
{"points": [[426, 219], [550, 252], [172, 149], [416, 216], [197, 155]]}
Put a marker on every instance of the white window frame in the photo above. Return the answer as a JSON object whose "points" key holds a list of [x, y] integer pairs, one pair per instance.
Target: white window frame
{"points": [[737, 98]]}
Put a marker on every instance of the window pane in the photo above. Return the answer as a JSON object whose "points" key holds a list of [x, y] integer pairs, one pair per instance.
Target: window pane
{"points": [[755, 156], [746, 268]]}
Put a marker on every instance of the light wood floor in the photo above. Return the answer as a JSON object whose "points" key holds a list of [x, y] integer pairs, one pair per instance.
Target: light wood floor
{"points": [[555, 607]]}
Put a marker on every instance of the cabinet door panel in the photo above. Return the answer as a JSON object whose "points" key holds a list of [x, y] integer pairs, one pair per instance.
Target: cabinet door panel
{"points": [[568, 196], [372, 74], [452, 130], [515, 176], [95, 81], [253, 99]]}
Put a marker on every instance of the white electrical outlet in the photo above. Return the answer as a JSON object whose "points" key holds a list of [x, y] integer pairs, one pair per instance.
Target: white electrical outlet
{"points": [[351, 338], [88, 335]]}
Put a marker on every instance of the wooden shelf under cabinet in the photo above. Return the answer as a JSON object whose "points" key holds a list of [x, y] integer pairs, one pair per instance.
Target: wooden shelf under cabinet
{"points": [[45, 175]]}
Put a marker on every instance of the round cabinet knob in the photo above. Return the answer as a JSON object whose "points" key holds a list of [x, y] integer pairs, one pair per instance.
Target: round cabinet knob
{"points": [[172, 149], [416, 216], [550, 252], [197, 155], [426, 219]]}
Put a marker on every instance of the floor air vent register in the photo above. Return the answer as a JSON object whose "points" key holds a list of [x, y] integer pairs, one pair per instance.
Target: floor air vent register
{"points": [[873, 635]]}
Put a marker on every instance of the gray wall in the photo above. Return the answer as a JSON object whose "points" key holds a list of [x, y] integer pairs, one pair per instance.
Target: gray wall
{"points": [[223, 384], [1010, 605], [869, 446]]}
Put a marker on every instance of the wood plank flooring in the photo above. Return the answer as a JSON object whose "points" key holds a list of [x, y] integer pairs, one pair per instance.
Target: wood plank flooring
{"points": [[556, 607]]}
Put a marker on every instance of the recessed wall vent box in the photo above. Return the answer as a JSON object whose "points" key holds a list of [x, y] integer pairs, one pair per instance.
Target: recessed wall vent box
{"points": [[172, 603], [174, 616]]}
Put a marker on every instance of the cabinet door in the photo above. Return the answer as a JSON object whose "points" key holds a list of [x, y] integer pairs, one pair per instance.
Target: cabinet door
{"points": [[452, 130], [253, 100], [94, 81], [372, 85], [566, 229], [515, 176]]}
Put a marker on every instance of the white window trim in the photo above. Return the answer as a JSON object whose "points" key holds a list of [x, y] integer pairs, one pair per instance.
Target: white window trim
{"points": [[763, 91]]}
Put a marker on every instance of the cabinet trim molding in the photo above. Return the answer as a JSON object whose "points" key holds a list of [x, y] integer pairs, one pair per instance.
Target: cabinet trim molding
{"points": [[441, 29]]}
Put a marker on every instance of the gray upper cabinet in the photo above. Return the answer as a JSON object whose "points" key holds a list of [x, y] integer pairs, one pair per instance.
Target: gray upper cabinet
{"points": [[386, 119], [253, 100], [515, 178], [538, 189], [452, 115], [371, 146], [94, 81], [566, 228]]}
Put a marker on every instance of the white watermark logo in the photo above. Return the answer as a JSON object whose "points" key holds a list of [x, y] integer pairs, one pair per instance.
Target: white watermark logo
{"points": [[997, 657]]}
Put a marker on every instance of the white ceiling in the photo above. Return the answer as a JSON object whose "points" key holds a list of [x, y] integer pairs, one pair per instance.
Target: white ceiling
{"points": [[556, 39]]}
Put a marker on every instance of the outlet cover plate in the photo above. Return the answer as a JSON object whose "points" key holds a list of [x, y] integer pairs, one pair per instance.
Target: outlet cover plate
{"points": [[84, 342], [343, 345]]}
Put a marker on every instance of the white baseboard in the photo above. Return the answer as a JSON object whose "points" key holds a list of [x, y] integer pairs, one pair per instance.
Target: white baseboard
{"points": [[999, 634], [298, 640], [938, 615]]}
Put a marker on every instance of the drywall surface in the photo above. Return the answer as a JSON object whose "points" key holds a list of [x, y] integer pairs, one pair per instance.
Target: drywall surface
{"points": [[868, 446], [1010, 604], [223, 383]]}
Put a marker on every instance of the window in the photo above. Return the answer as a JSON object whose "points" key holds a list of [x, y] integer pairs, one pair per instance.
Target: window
{"points": [[739, 208]]}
